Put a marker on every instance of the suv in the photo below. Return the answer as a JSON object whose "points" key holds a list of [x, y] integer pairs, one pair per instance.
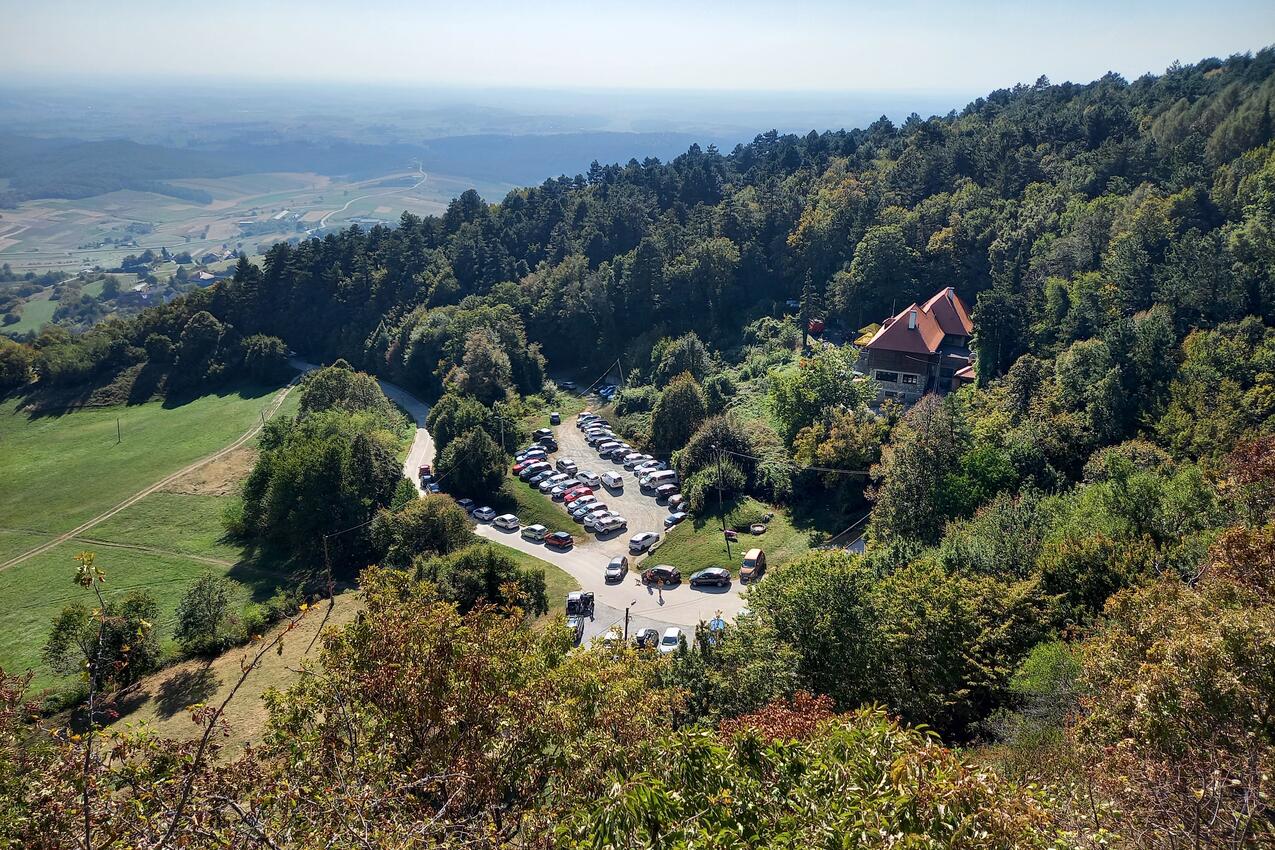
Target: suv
{"points": [[616, 568], [567, 465], [662, 573], [613, 480], [639, 543], [587, 478]]}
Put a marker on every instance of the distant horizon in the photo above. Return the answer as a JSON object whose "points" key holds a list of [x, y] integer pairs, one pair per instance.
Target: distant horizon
{"points": [[748, 46]]}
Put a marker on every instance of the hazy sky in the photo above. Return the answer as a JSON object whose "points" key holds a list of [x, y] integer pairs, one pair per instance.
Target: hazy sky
{"points": [[732, 44]]}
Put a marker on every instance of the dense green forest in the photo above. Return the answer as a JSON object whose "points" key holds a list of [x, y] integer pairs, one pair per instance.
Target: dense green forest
{"points": [[1069, 565]]}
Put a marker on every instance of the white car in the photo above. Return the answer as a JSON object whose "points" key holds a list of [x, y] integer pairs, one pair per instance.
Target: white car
{"points": [[507, 521], [613, 523], [552, 481], [639, 543], [671, 640], [484, 514], [535, 532], [613, 481], [593, 521], [588, 479], [616, 568]]}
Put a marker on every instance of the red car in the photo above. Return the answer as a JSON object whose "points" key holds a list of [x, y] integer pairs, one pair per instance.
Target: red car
{"points": [[559, 540], [575, 493], [521, 465]]}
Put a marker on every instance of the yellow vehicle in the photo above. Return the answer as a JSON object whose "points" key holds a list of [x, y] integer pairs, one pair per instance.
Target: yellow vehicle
{"points": [[754, 565]]}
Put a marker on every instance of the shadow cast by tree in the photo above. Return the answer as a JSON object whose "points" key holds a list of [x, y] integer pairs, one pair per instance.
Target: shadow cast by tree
{"points": [[183, 688]]}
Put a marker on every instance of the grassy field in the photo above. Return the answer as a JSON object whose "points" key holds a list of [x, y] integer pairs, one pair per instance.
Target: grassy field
{"points": [[161, 699], [36, 312], [698, 543], [66, 469], [60, 470]]}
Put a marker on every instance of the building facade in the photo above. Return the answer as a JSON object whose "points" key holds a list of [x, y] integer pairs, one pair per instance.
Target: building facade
{"points": [[925, 348]]}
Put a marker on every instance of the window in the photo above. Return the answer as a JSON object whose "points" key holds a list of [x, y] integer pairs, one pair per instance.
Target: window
{"points": [[909, 379], [887, 377]]}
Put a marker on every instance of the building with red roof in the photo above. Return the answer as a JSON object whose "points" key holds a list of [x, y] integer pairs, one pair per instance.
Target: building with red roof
{"points": [[924, 348]]}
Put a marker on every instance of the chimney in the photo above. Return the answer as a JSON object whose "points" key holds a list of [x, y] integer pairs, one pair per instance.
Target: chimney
{"points": [[951, 296], [912, 320]]}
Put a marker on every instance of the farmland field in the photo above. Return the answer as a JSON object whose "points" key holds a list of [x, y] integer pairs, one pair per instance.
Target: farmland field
{"points": [[68, 235]]}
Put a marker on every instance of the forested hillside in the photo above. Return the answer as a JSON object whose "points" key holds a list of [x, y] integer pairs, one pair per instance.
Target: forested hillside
{"points": [[1068, 566]]}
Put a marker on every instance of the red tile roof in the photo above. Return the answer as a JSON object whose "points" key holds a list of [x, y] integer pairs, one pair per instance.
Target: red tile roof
{"points": [[943, 314], [950, 311], [895, 335]]}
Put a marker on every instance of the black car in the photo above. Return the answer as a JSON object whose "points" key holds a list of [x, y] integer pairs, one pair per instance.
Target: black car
{"points": [[646, 638], [555, 418], [466, 504], [549, 444], [711, 577], [541, 433], [662, 573]]}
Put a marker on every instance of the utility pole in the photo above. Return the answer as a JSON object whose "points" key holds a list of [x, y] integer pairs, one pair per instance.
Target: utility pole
{"points": [[720, 510], [626, 619], [119, 432]]}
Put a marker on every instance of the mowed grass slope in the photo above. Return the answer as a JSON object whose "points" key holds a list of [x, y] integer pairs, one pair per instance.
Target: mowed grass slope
{"points": [[57, 477], [698, 542], [61, 470]]}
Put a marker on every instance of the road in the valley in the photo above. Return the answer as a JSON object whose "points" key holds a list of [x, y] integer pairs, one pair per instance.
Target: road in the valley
{"points": [[323, 221]]}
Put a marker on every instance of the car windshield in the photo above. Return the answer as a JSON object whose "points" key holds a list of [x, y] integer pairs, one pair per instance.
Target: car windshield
{"points": [[669, 640]]}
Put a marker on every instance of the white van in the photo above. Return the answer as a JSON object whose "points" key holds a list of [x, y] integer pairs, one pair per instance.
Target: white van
{"points": [[658, 479], [613, 481]]}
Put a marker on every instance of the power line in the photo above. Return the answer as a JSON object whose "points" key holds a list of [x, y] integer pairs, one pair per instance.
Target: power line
{"points": [[859, 472]]}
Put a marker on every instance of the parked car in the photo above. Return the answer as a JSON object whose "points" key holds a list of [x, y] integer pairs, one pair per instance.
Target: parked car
{"points": [[559, 540], [657, 479], [484, 514], [580, 511], [605, 448], [620, 452], [635, 459], [585, 418], [639, 543], [588, 478], [540, 477], [576, 492], [616, 568], [671, 640], [529, 472], [467, 505], [649, 468], [549, 444], [553, 481], [432, 487], [580, 603], [506, 521], [666, 490], [426, 471], [541, 432], [754, 565], [594, 519], [567, 385], [522, 464], [555, 418], [613, 480], [662, 573], [534, 532], [646, 638], [675, 502], [538, 453], [674, 518], [614, 523], [576, 624], [560, 491], [567, 465], [711, 577]]}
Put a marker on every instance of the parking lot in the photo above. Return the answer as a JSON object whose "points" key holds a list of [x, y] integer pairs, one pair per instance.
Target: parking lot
{"points": [[681, 606]]}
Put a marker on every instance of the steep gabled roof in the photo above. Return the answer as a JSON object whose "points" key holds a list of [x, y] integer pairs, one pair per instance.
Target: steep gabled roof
{"points": [[950, 312], [895, 335]]}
